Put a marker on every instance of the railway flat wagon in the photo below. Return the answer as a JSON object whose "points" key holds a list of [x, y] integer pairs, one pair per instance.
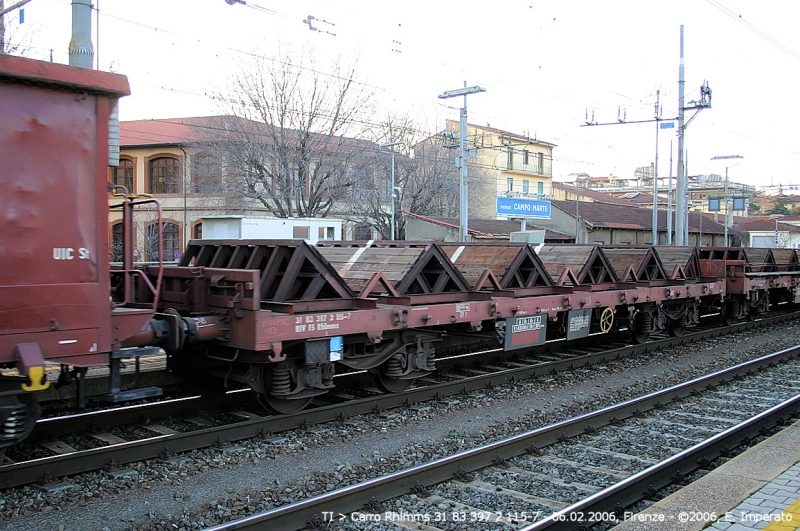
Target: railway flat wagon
{"points": [[281, 316]]}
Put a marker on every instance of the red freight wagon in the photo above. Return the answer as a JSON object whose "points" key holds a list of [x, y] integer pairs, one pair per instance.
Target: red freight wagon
{"points": [[54, 277]]}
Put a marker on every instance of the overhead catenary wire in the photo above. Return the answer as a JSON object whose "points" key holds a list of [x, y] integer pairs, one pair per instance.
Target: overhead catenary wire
{"points": [[751, 27], [511, 81]]}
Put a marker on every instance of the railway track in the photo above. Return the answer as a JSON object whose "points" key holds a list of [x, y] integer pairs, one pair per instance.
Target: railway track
{"points": [[573, 474], [113, 438]]}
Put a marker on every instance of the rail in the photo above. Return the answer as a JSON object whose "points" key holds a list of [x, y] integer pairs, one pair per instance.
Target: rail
{"points": [[352, 498], [28, 472]]}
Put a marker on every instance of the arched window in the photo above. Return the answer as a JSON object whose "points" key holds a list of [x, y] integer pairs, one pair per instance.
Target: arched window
{"points": [[117, 242], [198, 231], [123, 174], [164, 175], [206, 173], [171, 238]]}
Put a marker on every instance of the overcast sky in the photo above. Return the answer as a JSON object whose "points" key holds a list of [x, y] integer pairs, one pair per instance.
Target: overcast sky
{"points": [[543, 64]]}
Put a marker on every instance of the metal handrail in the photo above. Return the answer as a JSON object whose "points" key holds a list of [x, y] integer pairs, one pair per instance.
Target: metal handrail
{"points": [[127, 256]]}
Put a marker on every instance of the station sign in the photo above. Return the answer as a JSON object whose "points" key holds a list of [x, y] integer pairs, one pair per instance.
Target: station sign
{"points": [[523, 208], [578, 323], [667, 125], [525, 331]]}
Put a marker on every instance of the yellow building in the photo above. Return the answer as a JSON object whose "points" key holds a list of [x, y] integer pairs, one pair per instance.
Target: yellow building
{"points": [[506, 165]]}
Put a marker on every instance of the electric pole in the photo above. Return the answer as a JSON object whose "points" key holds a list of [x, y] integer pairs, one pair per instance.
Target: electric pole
{"points": [[682, 189], [461, 162], [680, 192], [654, 241]]}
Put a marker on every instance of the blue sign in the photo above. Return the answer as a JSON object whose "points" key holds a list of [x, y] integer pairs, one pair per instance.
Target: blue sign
{"points": [[523, 208], [336, 348], [667, 125]]}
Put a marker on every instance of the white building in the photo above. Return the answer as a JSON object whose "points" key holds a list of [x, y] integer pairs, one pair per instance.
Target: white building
{"points": [[311, 230]]}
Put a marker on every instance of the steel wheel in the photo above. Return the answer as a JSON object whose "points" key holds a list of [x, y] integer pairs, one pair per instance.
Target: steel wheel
{"points": [[282, 405], [728, 313], [640, 328], [272, 379], [676, 327], [385, 377]]}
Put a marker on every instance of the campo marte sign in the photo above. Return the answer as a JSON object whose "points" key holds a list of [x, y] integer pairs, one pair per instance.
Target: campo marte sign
{"points": [[522, 208]]}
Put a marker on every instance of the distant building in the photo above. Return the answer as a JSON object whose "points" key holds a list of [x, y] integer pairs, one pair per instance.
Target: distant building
{"points": [[447, 229], [618, 224], [178, 162], [611, 181], [166, 159], [703, 190], [511, 164], [765, 232]]}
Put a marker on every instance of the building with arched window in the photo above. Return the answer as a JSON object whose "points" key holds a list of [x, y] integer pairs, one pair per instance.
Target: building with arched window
{"points": [[167, 159], [185, 164]]}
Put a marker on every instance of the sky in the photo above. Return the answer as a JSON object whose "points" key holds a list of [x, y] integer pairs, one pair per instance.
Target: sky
{"points": [[546, 66]]}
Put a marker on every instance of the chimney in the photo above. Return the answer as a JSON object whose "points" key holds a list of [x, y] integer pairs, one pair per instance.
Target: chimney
{"points": [[81, 51]]}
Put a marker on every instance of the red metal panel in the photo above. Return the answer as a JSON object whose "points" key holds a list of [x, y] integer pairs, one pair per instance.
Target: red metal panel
{"points": [[63, 76], [32, 308], [54, 280], [73, 347]]}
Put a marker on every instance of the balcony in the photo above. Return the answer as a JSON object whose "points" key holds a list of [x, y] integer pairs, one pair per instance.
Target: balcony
{"points": [[543, 167], [539, 197]]}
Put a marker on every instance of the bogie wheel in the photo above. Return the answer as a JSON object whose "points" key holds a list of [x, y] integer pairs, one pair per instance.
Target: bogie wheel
{"points": [[277, 379], [640, 328], [606, 320], [383, 375], [728, 312], [282, 405], [676, 327], [24, 409]]}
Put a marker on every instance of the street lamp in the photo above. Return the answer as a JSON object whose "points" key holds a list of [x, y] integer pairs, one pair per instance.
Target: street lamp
{"points": [[727, 210], [776, 217], [390, 144], [463, 231]]}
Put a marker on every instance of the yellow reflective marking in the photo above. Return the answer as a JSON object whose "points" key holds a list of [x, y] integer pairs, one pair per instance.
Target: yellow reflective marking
{"points": [[789, 520], [38, 381]]}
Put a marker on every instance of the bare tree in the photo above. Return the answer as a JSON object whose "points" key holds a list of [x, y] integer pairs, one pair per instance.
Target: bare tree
{"points": [[426, 178], [370, 203], [292, 133]]}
